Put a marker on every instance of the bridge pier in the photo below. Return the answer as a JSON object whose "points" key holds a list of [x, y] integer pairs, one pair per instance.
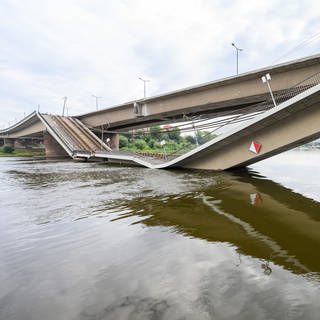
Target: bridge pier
{"points": [[9, 141], [52, 147], [113, 141], [18, 144], [13, 142]]}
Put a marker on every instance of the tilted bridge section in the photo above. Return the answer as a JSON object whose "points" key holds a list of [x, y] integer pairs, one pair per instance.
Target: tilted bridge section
{"points": [[73, 136]]}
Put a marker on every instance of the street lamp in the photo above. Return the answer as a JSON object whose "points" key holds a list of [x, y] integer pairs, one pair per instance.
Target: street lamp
{"points": [[237, 50], [144, 86], [266, 79], [64, 105], [195, 133], [97, 100], [162, 144]]}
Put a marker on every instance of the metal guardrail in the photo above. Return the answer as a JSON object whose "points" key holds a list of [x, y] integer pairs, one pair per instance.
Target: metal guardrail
{"points": [[298, 88]]}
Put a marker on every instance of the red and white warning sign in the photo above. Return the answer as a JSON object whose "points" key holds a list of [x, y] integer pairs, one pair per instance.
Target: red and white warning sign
{"points": [[255, 199], [255, 147]]}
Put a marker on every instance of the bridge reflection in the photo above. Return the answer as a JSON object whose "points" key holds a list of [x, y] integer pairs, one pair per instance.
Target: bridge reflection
{"points": [[259, 217]]}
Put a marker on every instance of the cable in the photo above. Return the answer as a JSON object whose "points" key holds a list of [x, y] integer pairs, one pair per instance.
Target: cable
{"points": [[298, 46]]}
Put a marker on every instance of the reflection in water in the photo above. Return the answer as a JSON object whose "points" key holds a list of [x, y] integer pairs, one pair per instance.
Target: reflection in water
{"points": [[266, 268], [271, 229], [134, 308], [87, 241], [276, 249], [298, 170]]}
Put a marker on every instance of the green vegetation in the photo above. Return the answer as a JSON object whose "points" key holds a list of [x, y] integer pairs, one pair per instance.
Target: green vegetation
{"points": [[22, 152], [123, 141], [140, 144], [141, 141], [7, 148]]}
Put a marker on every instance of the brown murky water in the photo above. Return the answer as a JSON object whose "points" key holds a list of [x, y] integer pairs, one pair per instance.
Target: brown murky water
{"points": [[87, 241]]}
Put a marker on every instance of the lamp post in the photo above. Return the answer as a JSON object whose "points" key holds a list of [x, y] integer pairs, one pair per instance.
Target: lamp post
{"points": [[195, 133], [64, 105], [97, 100], [266, 79], [102, 132], [162, 144], [237, 50], [144, 86]]}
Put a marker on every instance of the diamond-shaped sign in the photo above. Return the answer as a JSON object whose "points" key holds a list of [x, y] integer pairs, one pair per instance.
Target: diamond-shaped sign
{"points": [[255, 147], [255, 198]]}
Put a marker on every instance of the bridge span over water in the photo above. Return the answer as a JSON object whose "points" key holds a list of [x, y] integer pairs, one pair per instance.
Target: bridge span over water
{"points": [[256, 127]]}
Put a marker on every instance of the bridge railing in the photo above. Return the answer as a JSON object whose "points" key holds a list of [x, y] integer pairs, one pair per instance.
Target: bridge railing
{"points": [[298, 88]]}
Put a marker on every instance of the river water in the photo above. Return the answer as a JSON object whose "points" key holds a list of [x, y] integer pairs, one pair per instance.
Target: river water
{"points": [[89, 241]]}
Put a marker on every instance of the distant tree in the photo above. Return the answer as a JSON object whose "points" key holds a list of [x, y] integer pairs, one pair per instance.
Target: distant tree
{"points": [[128, 135], [156, 133], [157, 145], [151, 143], [139, 134], [165, 136], [147, 138], [190, 139], [7, 148], [171, 145], [123, 141], [174, 134], [204, 136], [140, 144]]}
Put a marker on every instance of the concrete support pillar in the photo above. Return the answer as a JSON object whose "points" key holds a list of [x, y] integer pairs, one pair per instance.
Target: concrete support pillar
{"points": [[9, 141], [33, 141], [28, 142], [18, 144], [52, 147], [113, 141]]}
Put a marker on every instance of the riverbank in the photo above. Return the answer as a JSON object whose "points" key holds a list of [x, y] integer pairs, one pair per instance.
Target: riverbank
{"points": [[24, 153]]}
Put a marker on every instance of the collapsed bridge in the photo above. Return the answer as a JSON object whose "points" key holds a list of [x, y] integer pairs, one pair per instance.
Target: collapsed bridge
{"points": [[251, 124]]}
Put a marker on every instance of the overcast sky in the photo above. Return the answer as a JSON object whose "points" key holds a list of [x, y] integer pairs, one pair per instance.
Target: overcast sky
{"points": [[76, 48]]}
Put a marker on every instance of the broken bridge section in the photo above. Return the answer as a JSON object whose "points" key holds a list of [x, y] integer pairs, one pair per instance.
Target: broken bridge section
{"points": [[69, 136]]}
